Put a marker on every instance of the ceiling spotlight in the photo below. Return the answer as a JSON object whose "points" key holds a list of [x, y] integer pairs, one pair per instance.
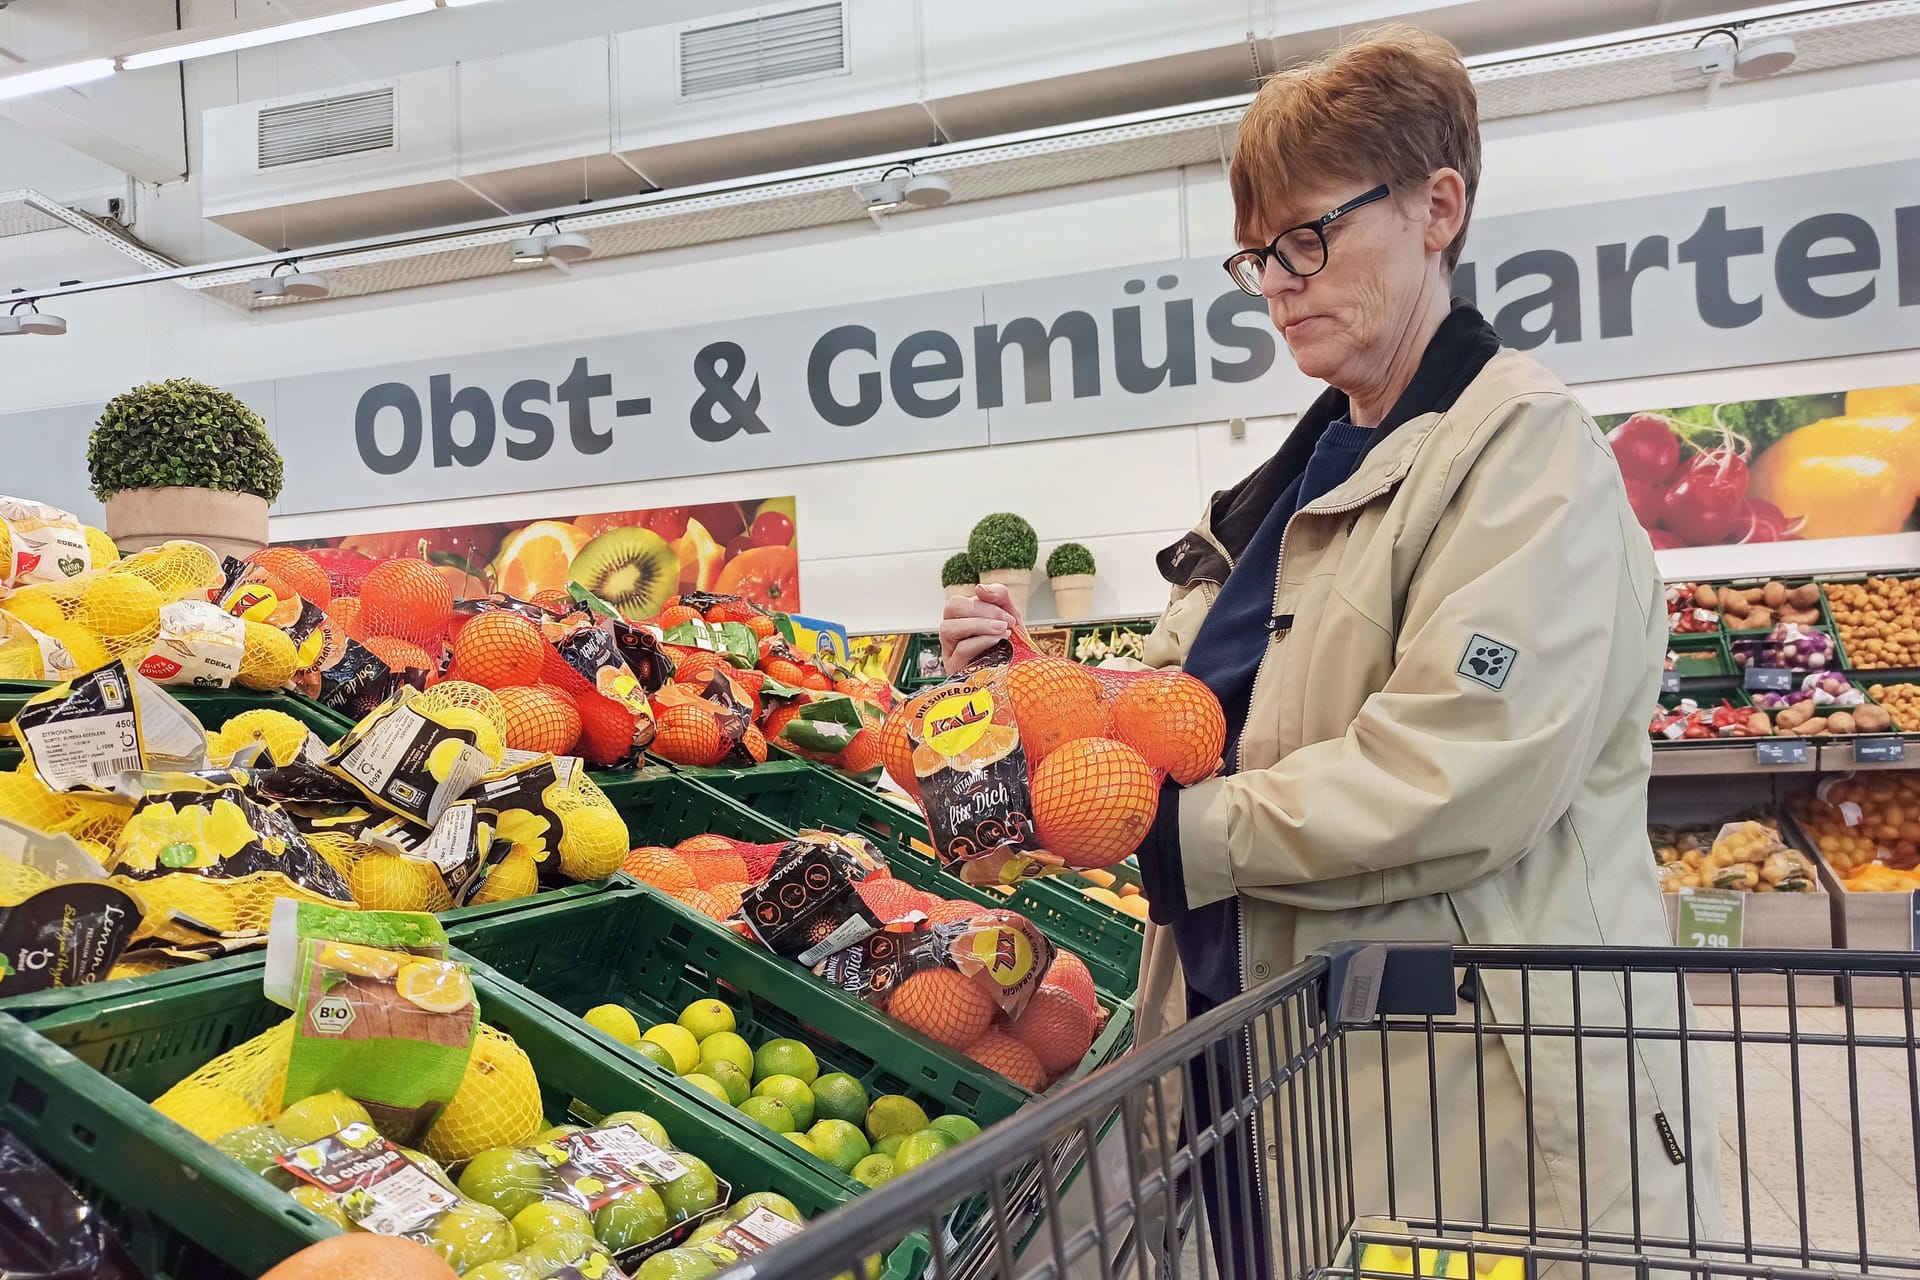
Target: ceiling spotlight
{"points": [[562, 247], [1765, 57], [31, 320], [296, 284], [928, 190], [900, 187]]}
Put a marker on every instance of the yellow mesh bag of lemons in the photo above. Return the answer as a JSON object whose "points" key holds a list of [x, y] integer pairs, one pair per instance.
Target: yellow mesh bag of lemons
{"points": [[113, 611]]}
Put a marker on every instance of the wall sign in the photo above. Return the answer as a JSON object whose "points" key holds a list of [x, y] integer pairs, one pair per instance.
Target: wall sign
{"points": [[1791, 268]]}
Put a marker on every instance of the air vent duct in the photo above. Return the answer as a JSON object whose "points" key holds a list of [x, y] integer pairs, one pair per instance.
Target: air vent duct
{"points": [[770, 48], [350, 124]]}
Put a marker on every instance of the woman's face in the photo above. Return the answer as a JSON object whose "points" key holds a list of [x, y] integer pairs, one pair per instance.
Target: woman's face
{"points": [[1345, 323]]}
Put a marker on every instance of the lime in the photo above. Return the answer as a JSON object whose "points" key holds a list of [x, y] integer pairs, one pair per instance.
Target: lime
{"points": [[323, 1203], [647, 1127], [255, 1147], [505, 1178], [794, 1093], [543, 1218], [918, 1149], [770, 1112], [708, 1230], [614, 1021], [560, 1131], [805, 1143], [957, 1128], [873, 1171], [630, 1218], [679, 1042], [657, 1054], [890, 1145], [737, 1083], [707, 1018], [320, 1116], [840, 1144], [840, 1097], [560, 1249], [693, 1192], [786, 1058], [429, 1166], [894, 1114], [707, 1083], [771, 1201], [505, 1269], [468, 1234], [727, 1046], [678, 1264]]}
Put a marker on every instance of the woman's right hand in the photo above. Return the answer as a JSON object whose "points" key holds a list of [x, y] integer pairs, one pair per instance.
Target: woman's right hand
{"points": [[974, 624]]}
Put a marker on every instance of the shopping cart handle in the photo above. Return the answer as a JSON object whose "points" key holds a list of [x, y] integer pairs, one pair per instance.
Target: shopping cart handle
{"points": [[1368, 979]]}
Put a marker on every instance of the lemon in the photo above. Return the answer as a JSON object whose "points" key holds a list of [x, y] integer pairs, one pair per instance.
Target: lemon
{"points": [[38, 609], [894, 1114], [614, 1021], [840, 1144], [770, 1112], [772, 1201], [438, 986], [497, 1104], [679, 1042], [708, 1085], [121, 608], [269, 659], [957, 1129], [100, 547], [918, 1149], [383, 881], [709, 1018], [724, 1046], [593, 842], [207, 1111], [805, 1143], [469, 1235], [643, 1124], [514, 876], [840, 1097], [283, 736], [365, 962], [504, 1178], [874, 1171], [84, 647], [737, 1083], [545, 1217]]}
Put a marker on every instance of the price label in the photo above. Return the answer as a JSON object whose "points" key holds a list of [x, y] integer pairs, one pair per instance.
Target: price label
{"points": [[1879, 750], [1710, 918], [1669, 682], [1769, 680], [1781, 751]]}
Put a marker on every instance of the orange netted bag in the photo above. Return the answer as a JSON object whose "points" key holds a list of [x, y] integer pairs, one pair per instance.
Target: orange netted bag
{"points": [[1029, 764]]}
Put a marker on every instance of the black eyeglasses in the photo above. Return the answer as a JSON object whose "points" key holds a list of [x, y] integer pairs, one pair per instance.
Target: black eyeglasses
{"points": [[1302, 250]]}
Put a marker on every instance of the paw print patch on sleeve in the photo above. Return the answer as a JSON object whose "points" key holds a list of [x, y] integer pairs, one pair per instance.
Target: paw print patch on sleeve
{"points": [[1487, 661]]}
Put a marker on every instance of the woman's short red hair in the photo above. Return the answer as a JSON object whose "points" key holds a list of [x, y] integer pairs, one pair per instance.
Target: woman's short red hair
{"points": [[1392, 105]]}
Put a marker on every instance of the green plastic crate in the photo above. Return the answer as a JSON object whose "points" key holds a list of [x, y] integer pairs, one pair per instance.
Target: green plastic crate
{"points": [[666, 808], [74, 1085]]}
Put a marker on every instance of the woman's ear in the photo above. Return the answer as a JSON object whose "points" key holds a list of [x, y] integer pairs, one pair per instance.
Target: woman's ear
{"points": [[1446, 208]]}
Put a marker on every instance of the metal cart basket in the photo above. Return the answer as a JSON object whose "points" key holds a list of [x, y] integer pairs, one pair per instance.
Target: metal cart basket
{"points": [[1476, 1113]]}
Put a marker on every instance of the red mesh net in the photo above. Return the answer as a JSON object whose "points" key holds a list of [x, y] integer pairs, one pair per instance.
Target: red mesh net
{"points": [[539, 718], [499, 650], [408, 599]]}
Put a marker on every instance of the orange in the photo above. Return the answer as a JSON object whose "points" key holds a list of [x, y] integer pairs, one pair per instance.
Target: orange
{"points": [[777, 718], [558, 672], [661, 868], [540, 718], [944, 1004], [555, 600], [756, 744], [761, 625], [1846, 477], [728, 896], [710, 869], [408, 599], [896, 742], [1069, 973], [810, 678], [1093, 801], [694, 666], [537, 558], [607, 727], [998, 1051], [1174, 721], [363, 1255], [500, 649], [784, 671], [688, 735], [400, 654], [298, 570], [675, 615], [706, 844], [344, 613], [863, 753], [765, 575], [1892, 402], [1054, 702], [950, 910], [1056, 1027], [891, 899], [702, 901]]}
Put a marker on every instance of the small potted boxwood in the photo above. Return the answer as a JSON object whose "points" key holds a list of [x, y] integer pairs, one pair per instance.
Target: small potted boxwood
{"points": [[1070, 573], [1003, 548], [181, 459], [958, 575]]}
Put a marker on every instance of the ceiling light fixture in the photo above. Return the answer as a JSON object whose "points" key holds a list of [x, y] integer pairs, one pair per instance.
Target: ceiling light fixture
{"points": [[64, 76], [900, 187], [31, 322], [564, 247], [252, 37], [1765, 57], [297, 284]]}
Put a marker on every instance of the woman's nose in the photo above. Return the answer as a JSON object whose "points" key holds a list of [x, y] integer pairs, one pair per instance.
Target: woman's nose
{"points": [[1276, 280]]}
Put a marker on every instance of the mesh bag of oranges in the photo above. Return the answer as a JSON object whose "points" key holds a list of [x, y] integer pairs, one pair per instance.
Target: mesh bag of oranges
{"points": [[1029, 764], [842, 729], [99, 615]]}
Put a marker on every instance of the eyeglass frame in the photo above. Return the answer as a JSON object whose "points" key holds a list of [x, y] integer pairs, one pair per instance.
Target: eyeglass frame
{"points": [[1317, 225]]}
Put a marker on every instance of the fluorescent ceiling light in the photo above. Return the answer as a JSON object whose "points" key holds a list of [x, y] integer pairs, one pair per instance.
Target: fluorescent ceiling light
{"points": [[298, 29], [60, 77]]}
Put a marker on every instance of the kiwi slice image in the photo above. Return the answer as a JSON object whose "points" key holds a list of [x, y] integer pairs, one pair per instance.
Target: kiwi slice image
{"points": [[634, 570]]}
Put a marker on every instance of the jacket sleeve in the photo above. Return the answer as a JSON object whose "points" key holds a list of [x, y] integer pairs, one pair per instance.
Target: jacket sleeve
{"points": [[1442, 778]]}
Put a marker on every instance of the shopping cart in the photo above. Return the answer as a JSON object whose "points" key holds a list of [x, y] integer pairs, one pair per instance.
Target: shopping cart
{"points": [[1416, 1169]]}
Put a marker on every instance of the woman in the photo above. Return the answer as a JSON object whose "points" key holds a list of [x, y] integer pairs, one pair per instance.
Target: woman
{"points": [[1436, 629]]}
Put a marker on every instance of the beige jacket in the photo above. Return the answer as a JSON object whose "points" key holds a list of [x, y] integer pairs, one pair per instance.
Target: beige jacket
{"points": [[1447, 741]]}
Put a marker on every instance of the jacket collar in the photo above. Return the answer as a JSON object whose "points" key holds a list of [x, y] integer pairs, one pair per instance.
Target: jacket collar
{"points": [[1459, 350]]}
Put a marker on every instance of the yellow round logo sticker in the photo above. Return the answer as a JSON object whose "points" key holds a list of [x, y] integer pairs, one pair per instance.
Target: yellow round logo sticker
{"points": [[955, 723], [1005, 953]]}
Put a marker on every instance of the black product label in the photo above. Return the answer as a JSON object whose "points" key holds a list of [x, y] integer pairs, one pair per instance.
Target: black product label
{"points": [[808, 906], [357, 683], [973, 812], [641, 650], [877, 965], [64, 936]]}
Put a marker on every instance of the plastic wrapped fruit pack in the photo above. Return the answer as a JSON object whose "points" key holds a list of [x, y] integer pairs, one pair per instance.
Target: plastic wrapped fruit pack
{"points": [[107, 613], [1028, 764]]}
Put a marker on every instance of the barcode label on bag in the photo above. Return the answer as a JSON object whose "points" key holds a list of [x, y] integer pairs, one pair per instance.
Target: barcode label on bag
{"points": [[114, 766]]}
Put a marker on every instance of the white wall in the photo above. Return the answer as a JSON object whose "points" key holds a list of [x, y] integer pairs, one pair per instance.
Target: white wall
{"points": [[871, 537]]}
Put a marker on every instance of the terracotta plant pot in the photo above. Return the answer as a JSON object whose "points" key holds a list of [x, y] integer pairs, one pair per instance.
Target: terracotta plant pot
{"points": [[1072, 596], [231, 524], [1018, 583], [961, 589]]}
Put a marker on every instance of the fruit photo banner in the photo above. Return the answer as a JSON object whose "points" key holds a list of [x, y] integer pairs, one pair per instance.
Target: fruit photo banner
{"points": [[635, 560], [1845, 464]]}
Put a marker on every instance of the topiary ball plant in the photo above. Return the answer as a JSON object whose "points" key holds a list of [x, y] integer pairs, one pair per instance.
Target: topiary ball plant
{"points": [[182, 432], [1068, 559], [958, 571], [1002, 541]]}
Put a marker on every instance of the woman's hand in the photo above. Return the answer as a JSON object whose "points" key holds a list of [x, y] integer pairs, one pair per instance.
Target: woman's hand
{"points": [[974, 624]]}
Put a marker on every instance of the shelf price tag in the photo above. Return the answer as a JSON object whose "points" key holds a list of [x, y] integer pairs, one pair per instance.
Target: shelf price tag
{"points": [[1669, 682], [1781, 751], [1710, 918], [1768, 680], [1879, 750]]}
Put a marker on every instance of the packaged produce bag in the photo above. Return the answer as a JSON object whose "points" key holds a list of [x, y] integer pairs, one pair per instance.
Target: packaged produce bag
{"points": [[418, 752], [110, 613], [808, 904], [84, 733], [61, 923], [1029, 764], [39, 543]]}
